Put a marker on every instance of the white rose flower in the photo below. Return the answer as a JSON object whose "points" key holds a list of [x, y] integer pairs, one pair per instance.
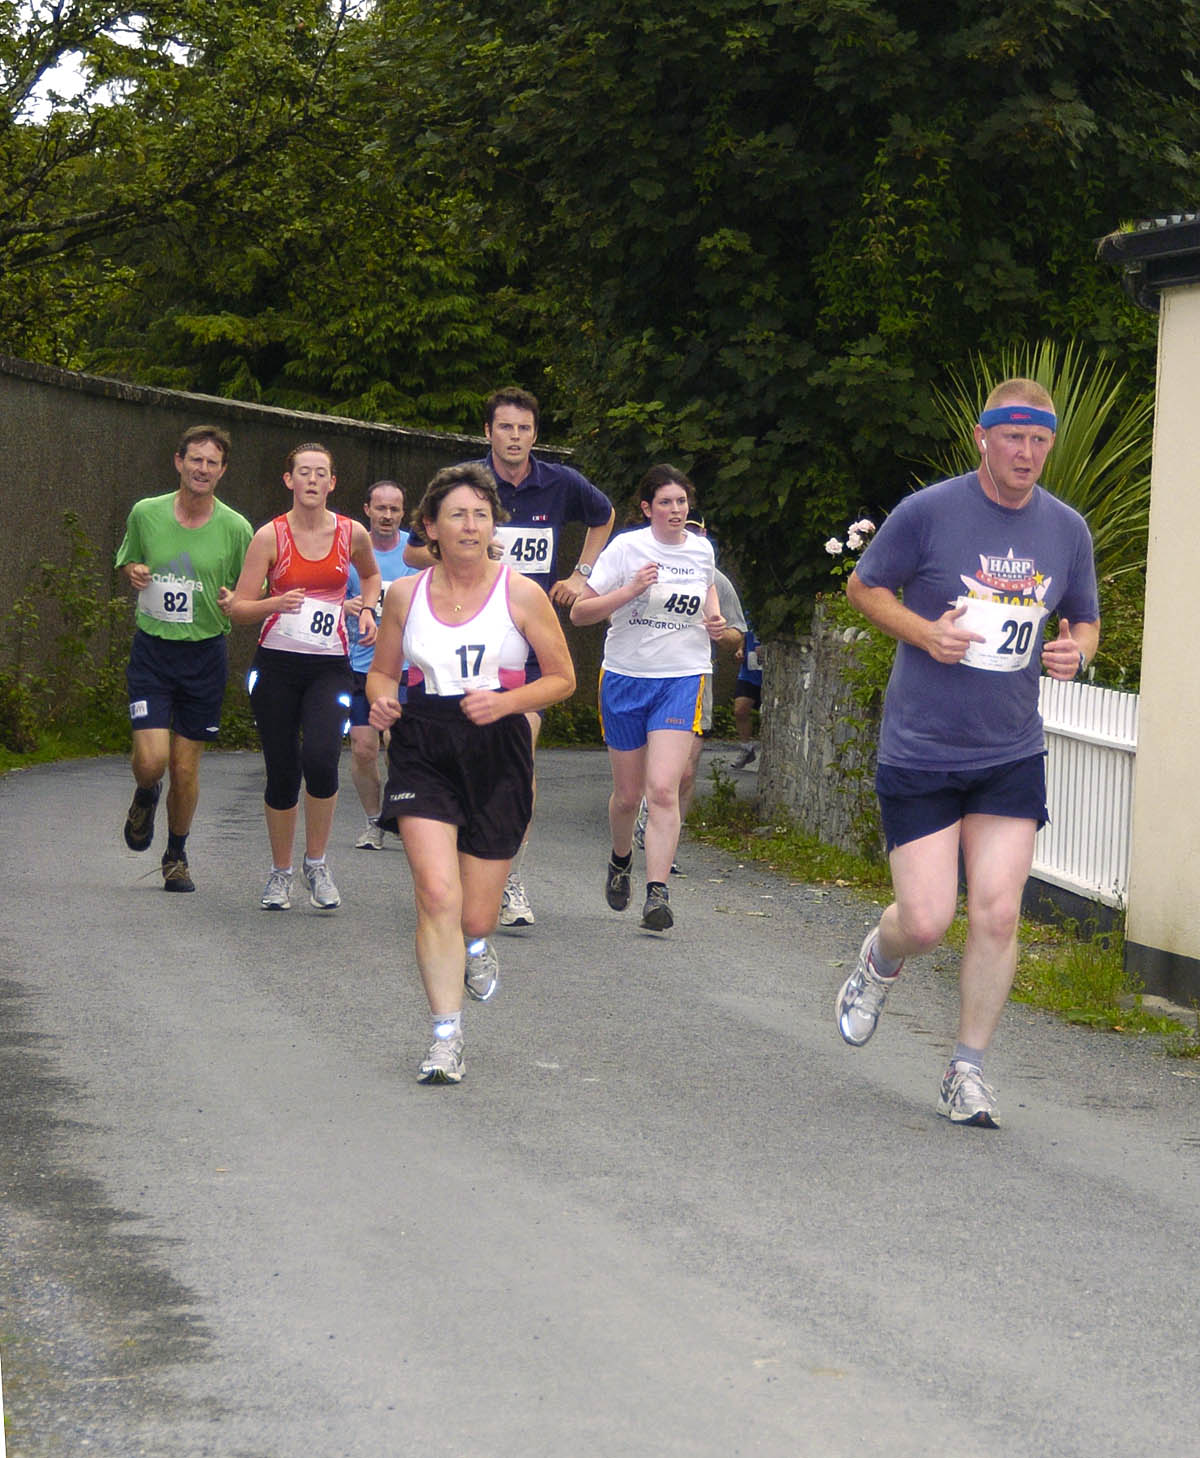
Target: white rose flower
{"points": [[833, 547]]}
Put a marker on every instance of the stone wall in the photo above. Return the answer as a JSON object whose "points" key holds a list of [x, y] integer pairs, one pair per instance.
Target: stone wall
{"points": [[819, 740], [83, 443]]}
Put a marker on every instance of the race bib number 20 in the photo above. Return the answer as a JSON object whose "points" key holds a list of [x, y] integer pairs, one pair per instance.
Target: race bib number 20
{"points": [[1009, 632]]}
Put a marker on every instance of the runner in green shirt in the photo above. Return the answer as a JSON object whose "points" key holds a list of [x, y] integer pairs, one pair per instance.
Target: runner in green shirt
{"points": [[182, 553]]}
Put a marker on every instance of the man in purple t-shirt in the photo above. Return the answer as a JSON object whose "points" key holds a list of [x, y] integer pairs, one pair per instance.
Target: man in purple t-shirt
{"points": [[964, 574]]}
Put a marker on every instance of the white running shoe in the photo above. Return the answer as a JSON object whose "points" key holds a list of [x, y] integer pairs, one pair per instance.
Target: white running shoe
{"points": [[965, 1098], [371, 838], [278, 893], [861, 997], [745, 757], [322, 893], [515, 909], [444, 1063], [483, 970]]}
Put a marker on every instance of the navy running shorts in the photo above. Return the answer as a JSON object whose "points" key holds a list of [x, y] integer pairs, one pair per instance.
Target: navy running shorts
{"points": [[916, 803], [177, 684]]}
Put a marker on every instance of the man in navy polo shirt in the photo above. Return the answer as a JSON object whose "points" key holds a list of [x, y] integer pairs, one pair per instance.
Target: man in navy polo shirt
{"points": [[541, 497]]}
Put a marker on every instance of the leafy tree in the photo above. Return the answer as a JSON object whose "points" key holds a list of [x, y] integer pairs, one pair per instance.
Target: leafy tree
{"points": [[179, 99], [755, 235], [1100, 463]]}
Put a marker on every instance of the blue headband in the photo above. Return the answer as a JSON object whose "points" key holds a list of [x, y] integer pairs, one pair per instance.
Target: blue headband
{"points": [[1018, 415]]}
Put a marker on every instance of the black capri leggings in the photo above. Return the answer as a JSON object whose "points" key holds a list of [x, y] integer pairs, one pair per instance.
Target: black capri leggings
{"points": [[301, 702]]}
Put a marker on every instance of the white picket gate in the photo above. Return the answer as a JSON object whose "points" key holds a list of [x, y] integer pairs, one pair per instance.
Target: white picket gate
{"points": [[1091, 741]]}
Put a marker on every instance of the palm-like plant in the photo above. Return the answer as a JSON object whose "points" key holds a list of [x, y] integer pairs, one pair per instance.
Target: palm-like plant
{"points": [[1100, 463]]}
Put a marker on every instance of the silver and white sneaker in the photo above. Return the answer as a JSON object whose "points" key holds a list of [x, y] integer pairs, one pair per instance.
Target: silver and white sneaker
{"points": [[861, 997], [444, 1063], [371, 838], [965, 1098], [744, 758], [278, 893], [515, 909], [483, 970], [639, 826], [322, 893]]}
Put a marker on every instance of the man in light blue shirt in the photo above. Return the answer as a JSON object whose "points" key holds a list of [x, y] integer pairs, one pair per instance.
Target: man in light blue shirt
{"points": [[384, 511]]}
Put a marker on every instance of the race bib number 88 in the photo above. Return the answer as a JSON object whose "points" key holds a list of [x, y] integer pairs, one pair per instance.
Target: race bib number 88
{"points": [[315, 625]]}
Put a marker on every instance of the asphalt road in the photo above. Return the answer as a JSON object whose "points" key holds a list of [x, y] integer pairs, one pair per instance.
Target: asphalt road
{"points": [[667, 1213]]}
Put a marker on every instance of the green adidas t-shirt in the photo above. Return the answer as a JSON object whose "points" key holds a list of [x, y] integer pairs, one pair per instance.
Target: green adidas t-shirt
{"points": [[188, 567]]}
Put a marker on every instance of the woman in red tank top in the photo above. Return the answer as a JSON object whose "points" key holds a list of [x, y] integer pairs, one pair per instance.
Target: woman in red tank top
{"points": [[293, 583]]}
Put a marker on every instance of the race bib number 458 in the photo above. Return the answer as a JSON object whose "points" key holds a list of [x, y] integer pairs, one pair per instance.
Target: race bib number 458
{"points": [[527, 548]]}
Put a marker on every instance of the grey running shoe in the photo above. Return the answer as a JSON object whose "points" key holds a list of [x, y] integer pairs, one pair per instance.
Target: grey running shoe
{"points": [[444, 1063], [139, 823], [322, 893], [483, 970], [515, 909], [616, 886], [639, 826], [278, 894], [966, 1099], [745, 756], [861, 997], [371, 838], [175, 875], [656, 914]]}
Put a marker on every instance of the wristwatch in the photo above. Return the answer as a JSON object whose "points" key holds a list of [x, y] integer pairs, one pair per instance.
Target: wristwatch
{"points": [[584, 569]]}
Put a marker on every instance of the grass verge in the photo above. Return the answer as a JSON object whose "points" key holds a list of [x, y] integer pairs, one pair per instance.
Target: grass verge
{"points": [[1073, 971]]}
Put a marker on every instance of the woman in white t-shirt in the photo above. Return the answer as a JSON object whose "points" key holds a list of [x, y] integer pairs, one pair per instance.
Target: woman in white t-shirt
{"points": [[656, 587]]}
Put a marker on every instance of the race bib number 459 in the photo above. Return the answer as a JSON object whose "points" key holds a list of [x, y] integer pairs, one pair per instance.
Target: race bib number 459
{"points": [[678, 603]]}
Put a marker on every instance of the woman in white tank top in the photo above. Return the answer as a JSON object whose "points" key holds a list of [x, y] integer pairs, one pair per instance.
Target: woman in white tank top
{"points": [[460, 786]]}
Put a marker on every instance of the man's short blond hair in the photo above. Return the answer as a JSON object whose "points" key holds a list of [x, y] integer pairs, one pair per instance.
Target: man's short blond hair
{"points": [[1025, 392]]}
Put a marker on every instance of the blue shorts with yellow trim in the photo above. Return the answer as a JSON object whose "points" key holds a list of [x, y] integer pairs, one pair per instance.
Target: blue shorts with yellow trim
{"points": [[630, 708]]}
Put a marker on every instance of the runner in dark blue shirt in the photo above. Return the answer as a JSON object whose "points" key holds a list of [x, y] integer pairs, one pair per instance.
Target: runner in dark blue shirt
{"points": [[541, 497]]}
